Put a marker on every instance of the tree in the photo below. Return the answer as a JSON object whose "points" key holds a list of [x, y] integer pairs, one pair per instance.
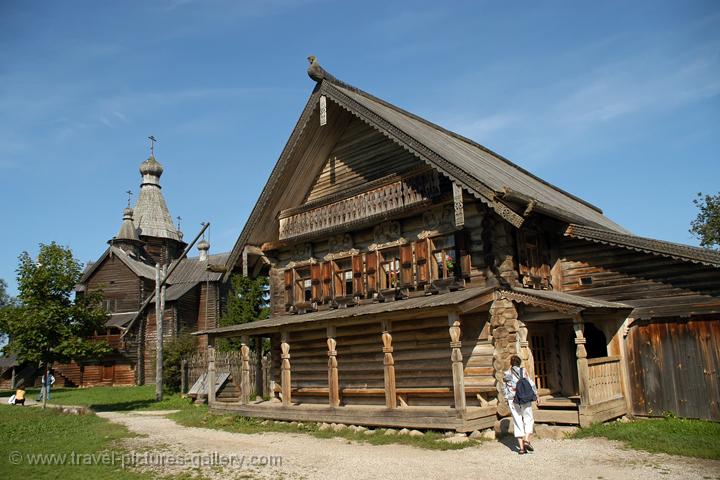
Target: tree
{"points": [[247, 302], [706, 225], [48, 323], [4, 297], [174, 353]]}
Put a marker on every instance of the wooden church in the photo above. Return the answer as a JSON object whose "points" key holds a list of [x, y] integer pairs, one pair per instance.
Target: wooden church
{"points": [[125, 273], [408, 263]]}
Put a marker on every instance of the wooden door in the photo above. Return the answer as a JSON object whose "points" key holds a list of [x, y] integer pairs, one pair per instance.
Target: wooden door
{"points": [[108, 372]]}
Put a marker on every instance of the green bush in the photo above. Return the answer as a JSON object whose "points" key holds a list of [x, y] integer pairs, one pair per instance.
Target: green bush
{"points": [[174, 352]]}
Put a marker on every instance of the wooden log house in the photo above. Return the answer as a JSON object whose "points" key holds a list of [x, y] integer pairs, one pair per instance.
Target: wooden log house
{"points": [[125, 274], [408, 263]]}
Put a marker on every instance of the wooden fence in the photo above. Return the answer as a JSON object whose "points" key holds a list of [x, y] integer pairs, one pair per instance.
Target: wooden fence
{"points": [[229, 362]]}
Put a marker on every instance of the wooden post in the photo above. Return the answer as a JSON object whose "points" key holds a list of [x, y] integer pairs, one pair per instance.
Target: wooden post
{"points": [[582, 363], [158, 333], [333, 381], [285, 379], [389, 364], [211, 377], [457, 363], [183, 376], [258, 368], [244, 370]]}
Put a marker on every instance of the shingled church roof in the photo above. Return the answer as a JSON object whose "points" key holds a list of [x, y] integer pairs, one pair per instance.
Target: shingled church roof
{"points": [[151, 216]]}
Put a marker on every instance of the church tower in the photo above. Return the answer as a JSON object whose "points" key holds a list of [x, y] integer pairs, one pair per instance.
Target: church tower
{"points": [[152, 220]]}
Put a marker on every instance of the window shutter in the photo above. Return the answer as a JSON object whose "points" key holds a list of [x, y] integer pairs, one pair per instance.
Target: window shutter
{"points": [[327, 276], [422, 255], [406, 264], [316, 279], [336, 279], [289, 287], [358, 282], [371, 267], [462, 249]]}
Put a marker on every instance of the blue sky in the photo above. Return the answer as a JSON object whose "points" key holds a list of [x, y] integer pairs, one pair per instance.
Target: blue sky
{"points": [[617, 102]]}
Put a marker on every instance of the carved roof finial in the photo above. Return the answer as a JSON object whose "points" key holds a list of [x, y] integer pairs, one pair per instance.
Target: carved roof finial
{"points": [[316, 72]]}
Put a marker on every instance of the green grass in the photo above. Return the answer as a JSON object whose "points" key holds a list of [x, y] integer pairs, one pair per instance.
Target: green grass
{"points": [[676, 436], [199, 416], [32, 431], [103, 399]]}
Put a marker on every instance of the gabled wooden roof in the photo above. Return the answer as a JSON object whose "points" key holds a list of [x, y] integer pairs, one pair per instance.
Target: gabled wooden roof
{"points": [[138, 267], [486, 175]]}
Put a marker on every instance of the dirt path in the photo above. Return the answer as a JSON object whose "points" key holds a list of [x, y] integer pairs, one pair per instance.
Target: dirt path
{"points": [[306, 457]]}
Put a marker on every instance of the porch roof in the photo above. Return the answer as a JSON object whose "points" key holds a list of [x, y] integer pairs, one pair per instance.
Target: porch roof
{"points": [[417, 303], [561, 302]]}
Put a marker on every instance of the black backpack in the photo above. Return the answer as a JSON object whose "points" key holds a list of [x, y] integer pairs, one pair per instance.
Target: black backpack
{"points": [[524, 392]]}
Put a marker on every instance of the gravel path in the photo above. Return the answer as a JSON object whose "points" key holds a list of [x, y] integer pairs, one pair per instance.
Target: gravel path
{"points": [[307, 457]]}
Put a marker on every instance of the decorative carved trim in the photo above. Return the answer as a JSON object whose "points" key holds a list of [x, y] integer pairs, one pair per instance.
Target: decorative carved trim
{"points": [[340, 242], [323, 110], [458, 204], [338, 255], [538, 302]]}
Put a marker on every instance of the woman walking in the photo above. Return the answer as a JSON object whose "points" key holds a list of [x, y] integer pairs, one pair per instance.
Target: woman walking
{"points": [[520, 392]]}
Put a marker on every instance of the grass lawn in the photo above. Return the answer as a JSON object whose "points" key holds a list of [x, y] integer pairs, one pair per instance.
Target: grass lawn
{"points": [[676, 436], [113, 398], [200, 417], [33, 431]]}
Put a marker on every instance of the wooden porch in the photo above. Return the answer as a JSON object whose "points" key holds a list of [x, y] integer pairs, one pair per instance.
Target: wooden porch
{"points": [[383, 365], [437, 418]]}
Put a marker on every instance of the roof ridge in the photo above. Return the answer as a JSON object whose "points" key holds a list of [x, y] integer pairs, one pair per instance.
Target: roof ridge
{"points": [[340, 83]]}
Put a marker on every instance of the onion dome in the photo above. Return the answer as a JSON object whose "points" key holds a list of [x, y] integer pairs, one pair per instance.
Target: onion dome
{"points": [[203, 246], [151, 167]]}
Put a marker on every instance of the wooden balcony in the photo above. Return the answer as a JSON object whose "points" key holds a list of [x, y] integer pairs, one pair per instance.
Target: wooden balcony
{"points": [[377, 202]]}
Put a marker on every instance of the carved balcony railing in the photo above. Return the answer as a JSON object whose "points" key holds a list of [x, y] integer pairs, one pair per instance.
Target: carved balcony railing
{"points": [[605, 379], [389, 198]]}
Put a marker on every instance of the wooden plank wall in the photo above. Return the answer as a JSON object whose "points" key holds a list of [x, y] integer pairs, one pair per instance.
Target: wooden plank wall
{"points": [[477, 353], [361, 155], [674, 367], [188, 309], [151, 339], [421, 354], [118, 283], [658, 284]]}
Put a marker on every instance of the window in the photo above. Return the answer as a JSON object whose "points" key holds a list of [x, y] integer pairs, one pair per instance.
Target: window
{"points": [[390, 268], [110, 304], [444, 264], [343, 277], [303, 285]]}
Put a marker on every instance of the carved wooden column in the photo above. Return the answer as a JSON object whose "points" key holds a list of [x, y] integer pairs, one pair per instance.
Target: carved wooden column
{"points": [[211, 377], [244, 370], [333, 382], [258, 368], [389, 366], [285, 369], [582, 363], [457, 361]]}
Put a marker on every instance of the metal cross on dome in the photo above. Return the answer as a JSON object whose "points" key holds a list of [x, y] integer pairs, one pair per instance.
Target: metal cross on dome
{"points": [[129, 193], [152, 145]]}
